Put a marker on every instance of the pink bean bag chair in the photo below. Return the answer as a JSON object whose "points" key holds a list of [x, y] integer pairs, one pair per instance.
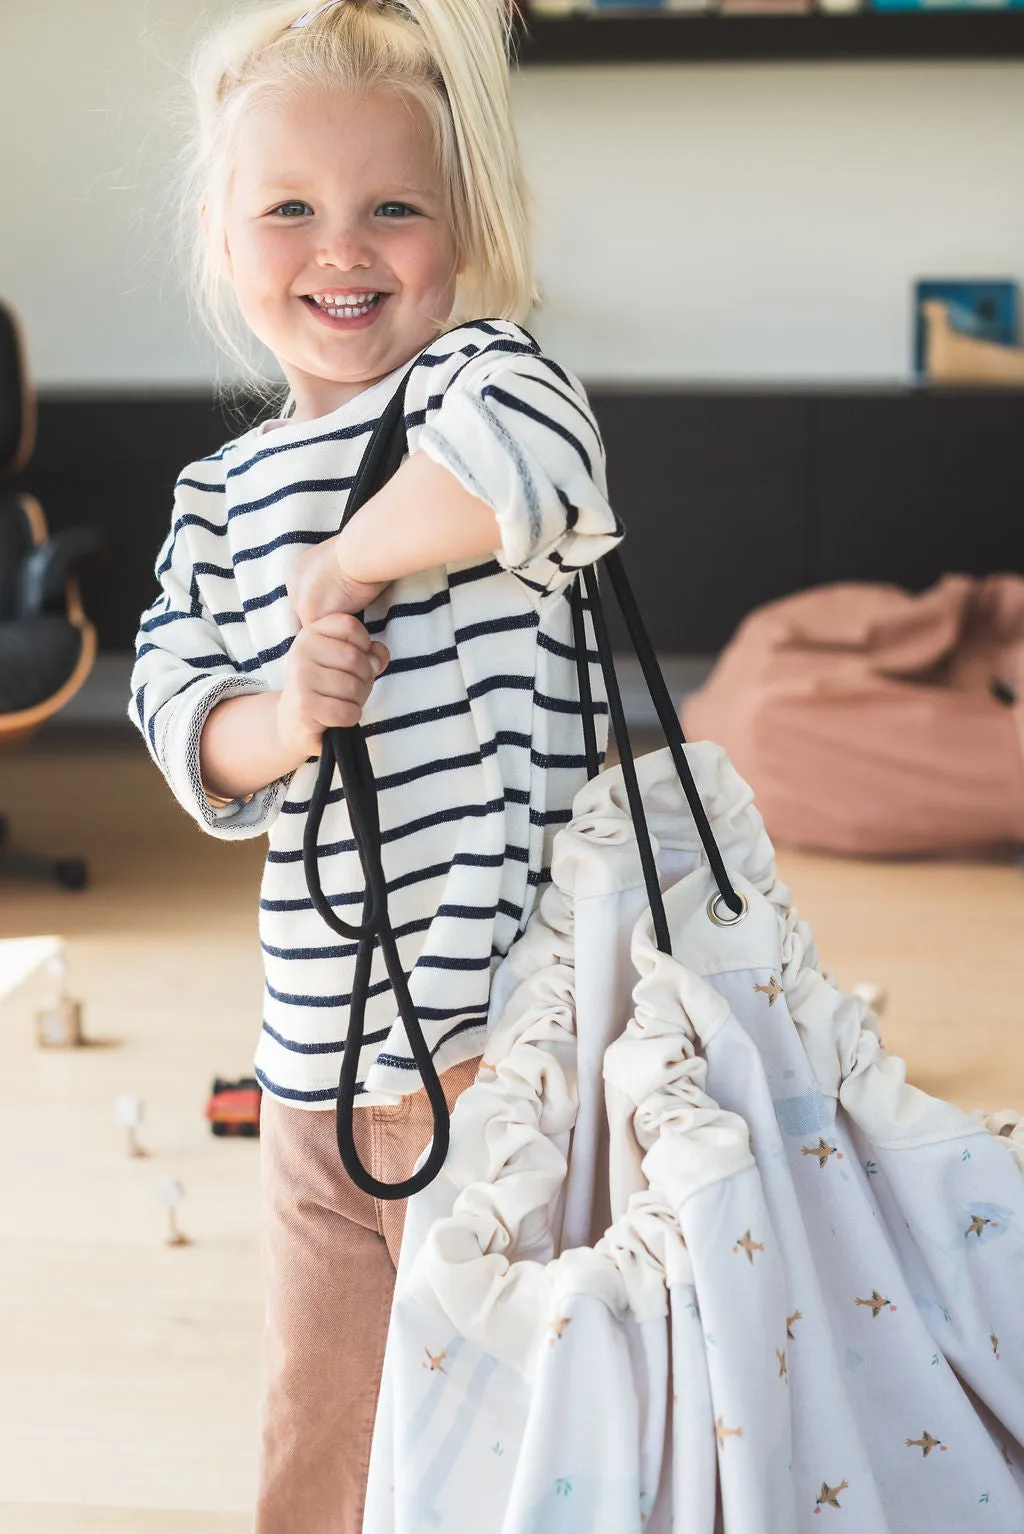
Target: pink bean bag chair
{"points": [[870, 720]]}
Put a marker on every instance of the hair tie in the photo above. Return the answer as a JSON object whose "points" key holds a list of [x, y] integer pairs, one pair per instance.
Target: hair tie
{"points": [[308, 16]]}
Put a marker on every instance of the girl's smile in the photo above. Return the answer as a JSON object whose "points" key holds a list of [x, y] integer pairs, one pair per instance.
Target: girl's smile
{"points": [[352, 311], [338, 239]]}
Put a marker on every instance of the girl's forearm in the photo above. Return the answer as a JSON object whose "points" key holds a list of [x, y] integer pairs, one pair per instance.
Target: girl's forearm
{"points": [[240, 749], [420, 519]]}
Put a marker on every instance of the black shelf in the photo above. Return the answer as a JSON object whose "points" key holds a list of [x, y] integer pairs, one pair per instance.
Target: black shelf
{"points": [[706, 37]]}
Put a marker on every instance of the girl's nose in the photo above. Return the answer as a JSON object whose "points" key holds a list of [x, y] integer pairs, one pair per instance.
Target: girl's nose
{"points": [[347, 247]]}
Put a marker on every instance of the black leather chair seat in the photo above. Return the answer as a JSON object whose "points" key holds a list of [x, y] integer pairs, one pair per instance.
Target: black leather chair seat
{"points": [[37, 656]]}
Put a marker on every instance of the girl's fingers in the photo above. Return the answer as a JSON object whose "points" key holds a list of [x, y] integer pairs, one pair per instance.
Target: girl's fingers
{"points": [[341, 626], [324, 682], [336, 654], [328, 712]]}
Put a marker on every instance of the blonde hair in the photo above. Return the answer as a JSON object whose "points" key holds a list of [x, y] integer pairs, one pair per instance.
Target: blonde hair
{"points": [[449, 56]]}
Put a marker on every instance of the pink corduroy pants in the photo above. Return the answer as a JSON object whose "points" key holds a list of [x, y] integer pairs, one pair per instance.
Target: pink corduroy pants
{"points": [[329, 1259]]}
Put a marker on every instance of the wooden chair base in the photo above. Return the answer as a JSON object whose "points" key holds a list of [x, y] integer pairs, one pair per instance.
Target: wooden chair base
{"points": [[69, 873]]}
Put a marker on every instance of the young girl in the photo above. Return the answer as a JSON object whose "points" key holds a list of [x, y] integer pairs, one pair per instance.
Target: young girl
{"points": [[362, 202]]}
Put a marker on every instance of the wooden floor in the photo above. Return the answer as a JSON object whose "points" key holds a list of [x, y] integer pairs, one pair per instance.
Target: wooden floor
{"points": [[129, 1370]]}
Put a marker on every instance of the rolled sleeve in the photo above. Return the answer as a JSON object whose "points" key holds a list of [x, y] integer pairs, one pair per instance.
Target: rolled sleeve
{"points": [[182, 671], [518, 433]]}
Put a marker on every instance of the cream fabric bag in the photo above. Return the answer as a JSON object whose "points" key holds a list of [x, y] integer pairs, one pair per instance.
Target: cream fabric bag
{"points": [[752, 1267]]}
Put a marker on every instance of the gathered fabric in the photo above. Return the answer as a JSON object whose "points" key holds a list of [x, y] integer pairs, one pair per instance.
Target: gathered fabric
{"points": [[700, 1252]]}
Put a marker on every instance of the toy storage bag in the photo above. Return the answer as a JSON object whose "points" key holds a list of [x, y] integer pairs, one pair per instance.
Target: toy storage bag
{"points": [[699, 1257]]}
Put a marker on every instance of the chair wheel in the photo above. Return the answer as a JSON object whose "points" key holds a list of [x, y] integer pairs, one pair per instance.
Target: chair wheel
{"points": [[71, 874]]}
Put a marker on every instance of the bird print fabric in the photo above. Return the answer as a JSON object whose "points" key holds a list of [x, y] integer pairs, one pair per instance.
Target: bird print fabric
{"points": [[700, 1258]]}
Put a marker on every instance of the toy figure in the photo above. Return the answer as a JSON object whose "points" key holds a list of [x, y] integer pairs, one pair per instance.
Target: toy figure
{"points": [[362, 205], [128, 1111], [170, 1193]]}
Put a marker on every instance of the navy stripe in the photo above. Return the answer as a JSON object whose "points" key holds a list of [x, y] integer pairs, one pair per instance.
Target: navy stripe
{"points": [[289, 999], [159, 620], [428, 769], [398, 833], [449, 961], [572, 515], [538, 415], [418, 716], [422, 662], [217, 661], [342, 434], [252, 605], [349, 950], [566, 652], [402, 881], [193, 519], [567, 398], [550, 817], [431, 1014], [564, 705], [399, 610], [297, 487], [513, 623], [290, 1094], [198, 484], [499, 683], [331, 1047], [261, 550], [407, 1063]]}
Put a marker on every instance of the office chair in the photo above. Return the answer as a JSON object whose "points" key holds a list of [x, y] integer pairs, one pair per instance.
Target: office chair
{"points": [[47, 645]]}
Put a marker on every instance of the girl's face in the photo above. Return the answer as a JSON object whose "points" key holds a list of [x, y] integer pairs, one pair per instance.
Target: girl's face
{"points": [[337, 198]]}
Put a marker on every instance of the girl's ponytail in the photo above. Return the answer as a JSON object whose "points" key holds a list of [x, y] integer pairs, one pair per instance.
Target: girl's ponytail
{"points": [[472, 44]]}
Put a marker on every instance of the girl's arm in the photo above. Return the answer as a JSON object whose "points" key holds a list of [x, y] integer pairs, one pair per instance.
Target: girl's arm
{"points": [[422, 517], [182, 673], [251, 741]]}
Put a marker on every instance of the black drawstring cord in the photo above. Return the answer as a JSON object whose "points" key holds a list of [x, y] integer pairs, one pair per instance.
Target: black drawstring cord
{"points": [[579, 634], [669, 720], [345, 749]]}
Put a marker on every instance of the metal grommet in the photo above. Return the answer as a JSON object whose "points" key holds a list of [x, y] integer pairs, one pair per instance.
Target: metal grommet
{"points": [[720, 913]]}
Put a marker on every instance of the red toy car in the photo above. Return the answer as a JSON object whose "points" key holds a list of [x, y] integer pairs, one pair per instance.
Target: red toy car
{"points": [[234, 1106]]}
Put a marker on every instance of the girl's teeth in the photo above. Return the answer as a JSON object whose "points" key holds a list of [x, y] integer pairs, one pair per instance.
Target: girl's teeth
{"points": [[339, 309]]}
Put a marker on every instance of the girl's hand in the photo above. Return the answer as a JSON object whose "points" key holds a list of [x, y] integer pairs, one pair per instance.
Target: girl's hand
{"points": [[318, 586], [330, 669]]}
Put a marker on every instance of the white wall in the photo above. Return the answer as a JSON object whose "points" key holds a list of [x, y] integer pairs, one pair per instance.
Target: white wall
{"points": [[703, 223]]}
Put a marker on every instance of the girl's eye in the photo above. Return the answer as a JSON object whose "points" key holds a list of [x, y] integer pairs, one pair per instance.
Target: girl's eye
{"points": [[304, 208]]}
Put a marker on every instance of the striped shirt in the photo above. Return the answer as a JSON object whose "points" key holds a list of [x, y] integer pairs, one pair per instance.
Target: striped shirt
{"points": [[473, 731]]}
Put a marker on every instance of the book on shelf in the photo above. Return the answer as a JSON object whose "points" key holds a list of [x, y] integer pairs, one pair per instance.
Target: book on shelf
{"points": [[946, 5]]}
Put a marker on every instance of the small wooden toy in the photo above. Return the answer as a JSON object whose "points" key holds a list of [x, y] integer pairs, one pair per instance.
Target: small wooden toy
{"points": [[170, 1193], [60, 1026], [129, 1112], [234, 1106], [953, 358]]}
